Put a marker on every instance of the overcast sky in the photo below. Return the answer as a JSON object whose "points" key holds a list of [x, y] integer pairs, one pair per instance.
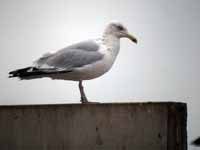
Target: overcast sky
{"points": [[164, 66]]}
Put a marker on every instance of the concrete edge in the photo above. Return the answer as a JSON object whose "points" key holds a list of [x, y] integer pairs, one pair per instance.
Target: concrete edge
{"points": [[181, 104]]}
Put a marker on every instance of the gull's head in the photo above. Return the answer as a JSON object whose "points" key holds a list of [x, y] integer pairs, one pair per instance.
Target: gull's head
{"points": [[118, 30]]}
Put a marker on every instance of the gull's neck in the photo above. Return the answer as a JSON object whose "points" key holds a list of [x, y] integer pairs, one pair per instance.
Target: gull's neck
{"points": [[112, 42]]}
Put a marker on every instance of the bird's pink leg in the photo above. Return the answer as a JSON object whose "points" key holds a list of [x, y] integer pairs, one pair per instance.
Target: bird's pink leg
{"points": [[84, 99], [83, 96]]}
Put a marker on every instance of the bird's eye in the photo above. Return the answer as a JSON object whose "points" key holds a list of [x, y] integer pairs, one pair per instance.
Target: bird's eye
{"points": [[120, 27]]}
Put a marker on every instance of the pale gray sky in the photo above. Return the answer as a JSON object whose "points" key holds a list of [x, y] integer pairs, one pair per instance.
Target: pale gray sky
{"points": [[164, 66]]}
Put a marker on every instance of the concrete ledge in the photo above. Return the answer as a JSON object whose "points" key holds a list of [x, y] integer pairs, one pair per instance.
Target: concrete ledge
{"points": [[124, 126]]}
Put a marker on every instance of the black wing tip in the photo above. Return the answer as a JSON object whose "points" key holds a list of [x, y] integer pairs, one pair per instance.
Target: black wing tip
{"points": [[12, 74], [18, 73], [32, 73], [196, 142]]}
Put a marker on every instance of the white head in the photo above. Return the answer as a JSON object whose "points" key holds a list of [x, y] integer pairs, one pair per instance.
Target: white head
{"points": [[118, 30]]}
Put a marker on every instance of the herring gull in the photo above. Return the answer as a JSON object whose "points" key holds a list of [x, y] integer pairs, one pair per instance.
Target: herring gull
{"points": [[81, 61]]}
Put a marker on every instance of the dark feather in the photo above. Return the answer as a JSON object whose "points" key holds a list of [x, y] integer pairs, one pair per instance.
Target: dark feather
{"points": [[196, 142], [33, 72]]}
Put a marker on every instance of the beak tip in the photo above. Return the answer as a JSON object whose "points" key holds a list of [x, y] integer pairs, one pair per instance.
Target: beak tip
{"points": [[135, 41]]}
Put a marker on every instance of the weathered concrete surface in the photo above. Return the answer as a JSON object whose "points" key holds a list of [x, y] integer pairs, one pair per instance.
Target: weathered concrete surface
{"points": [[131, 126]]}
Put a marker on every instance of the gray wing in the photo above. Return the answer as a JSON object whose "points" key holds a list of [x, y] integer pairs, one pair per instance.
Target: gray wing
{"points": [[71, 57]]}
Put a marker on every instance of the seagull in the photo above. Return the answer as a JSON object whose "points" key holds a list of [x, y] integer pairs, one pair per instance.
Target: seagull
{"points": [[81, 61]]}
